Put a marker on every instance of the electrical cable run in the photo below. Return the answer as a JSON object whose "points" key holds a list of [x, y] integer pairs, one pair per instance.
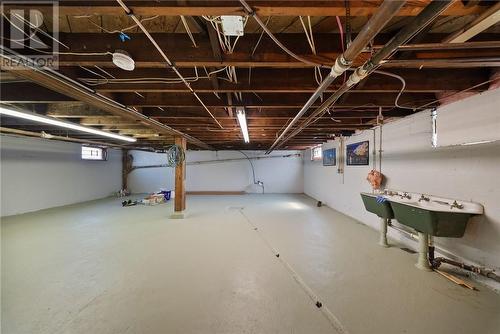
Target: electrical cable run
{"points": [[131, 14]]}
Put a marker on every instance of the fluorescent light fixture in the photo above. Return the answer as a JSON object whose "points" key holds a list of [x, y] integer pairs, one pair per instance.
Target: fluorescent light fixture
{"points": [[240, 113], [51, 121]]}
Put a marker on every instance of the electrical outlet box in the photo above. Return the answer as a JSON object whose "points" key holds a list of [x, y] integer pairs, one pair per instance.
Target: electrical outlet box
{"points": [[232, 25]]}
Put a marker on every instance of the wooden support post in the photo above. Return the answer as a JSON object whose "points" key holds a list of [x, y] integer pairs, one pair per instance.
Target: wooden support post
{"points": [[180, 183], [125, 169]]}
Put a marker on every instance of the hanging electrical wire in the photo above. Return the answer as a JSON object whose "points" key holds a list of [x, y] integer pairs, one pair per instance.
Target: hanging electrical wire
{"points": [[115, 31], [403, 83], [261, 35], [259, 183], [152, 80], [310, 39]]}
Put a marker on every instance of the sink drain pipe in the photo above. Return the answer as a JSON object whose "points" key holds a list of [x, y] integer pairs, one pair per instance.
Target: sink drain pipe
{"points": [[435, 262]]}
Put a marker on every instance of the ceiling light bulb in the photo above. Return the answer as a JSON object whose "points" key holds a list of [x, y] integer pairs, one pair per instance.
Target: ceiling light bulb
{"points": [[123, 60]]}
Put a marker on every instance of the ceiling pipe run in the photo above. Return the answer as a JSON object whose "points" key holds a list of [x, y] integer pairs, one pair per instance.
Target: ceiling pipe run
{"points": [[138, 22], [425, 17], [387, 10]]}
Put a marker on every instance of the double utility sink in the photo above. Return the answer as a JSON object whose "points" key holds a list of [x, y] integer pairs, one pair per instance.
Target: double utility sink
{"points": [[436, 216]]}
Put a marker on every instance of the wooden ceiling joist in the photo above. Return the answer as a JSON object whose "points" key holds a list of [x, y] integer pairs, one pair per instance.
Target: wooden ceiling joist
{"points": [[262, 8], [52, 82], [271, 84]]}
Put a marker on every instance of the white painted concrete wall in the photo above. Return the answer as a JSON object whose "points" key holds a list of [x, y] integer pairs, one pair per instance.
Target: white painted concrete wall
{"points": [[410, 164], [38, 174], [280, 175]]}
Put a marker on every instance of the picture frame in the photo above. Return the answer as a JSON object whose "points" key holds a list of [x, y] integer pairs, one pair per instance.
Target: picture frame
{"points": [[358, 154], [330, 157]]}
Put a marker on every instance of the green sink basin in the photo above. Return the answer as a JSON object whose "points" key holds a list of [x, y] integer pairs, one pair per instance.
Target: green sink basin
{"points": [[432, 222], [383, 210]]}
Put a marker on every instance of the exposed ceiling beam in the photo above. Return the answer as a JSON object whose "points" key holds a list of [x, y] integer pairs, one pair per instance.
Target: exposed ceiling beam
{"points": [[487, 19], [59, 83], [262, 8], [269, 100], [266, 81], [328, 48], [266, 100], [300, 80]]}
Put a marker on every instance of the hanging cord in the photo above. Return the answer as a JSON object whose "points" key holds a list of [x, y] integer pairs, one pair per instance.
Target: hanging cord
{"points": [[403, 83], [259, 183]]}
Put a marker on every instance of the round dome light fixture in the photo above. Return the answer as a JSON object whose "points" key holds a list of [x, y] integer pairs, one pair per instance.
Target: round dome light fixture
{"points": [[123, 60]]}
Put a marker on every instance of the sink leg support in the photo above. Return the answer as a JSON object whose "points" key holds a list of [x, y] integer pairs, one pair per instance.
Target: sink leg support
{"points": [[423, 247], [383, 232]]}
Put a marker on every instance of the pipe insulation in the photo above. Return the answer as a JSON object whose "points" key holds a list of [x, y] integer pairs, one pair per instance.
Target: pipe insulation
{"points": [[425, 17], [387, 10], [138, 22]]}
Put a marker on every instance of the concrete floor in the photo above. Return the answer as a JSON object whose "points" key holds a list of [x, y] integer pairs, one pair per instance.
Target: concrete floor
{"points": [[99, 268]]}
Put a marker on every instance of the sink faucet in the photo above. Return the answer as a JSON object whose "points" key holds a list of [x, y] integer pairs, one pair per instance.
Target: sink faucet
{"points": [[405, 195], [455, 204], [424, 198]]}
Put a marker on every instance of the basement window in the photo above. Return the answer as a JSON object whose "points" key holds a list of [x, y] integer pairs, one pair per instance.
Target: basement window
{"points": [[93, 153], [316, 153]]}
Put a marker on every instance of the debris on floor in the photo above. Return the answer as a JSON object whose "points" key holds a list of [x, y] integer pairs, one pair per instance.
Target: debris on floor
{"points": [[456, 280], [159, 197]]}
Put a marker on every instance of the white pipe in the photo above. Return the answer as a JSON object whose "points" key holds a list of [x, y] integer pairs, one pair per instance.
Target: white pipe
{"points": [[423, 249], [383, 232]]}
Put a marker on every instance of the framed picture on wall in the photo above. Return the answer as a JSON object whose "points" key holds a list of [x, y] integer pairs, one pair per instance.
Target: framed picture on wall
{"points": [[358, 154], [330, 157]]}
